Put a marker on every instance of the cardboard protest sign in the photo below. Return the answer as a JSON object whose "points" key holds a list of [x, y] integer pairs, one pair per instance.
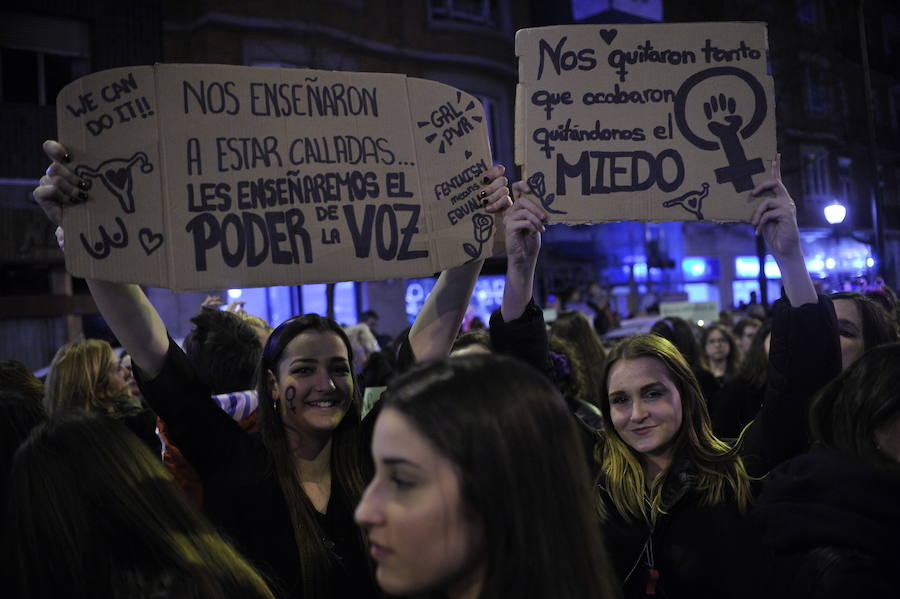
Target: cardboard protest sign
{"points": [[655, 122], [206, 177], [705, 312]]}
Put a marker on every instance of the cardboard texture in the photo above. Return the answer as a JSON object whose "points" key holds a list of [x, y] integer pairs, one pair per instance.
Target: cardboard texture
{"points": [[657, 122], [208, 176]]}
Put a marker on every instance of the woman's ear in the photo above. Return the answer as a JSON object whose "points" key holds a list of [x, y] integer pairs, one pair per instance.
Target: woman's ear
{"points": [[272, 385]]}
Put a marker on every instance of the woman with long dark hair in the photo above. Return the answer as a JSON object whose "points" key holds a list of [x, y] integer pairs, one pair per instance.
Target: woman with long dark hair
{"points": [[830, 517], [481, 488], [92, 513]]}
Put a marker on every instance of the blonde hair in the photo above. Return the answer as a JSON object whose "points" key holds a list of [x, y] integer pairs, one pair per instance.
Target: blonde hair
{"points": [[719, 468], [79, 380]]}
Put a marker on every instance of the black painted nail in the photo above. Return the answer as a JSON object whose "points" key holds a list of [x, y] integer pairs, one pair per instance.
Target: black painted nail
{"points": [[482, 194], [82, 196], [67, 157], [484, 201], [83, 184], [486, 180]]}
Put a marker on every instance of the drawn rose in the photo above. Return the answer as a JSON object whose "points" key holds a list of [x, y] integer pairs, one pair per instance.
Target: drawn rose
{"points": [[484, 225], [536, 183]]}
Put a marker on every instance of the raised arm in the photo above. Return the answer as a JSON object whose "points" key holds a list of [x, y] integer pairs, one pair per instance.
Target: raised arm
{"points": [[804, 352], [776, 220], [518, 327], [524, 224], [126, 309], [437, 324]]}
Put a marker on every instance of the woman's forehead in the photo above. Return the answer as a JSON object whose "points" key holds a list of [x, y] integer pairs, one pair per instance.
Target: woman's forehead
{"points": [[635, 372], [321, 345]]}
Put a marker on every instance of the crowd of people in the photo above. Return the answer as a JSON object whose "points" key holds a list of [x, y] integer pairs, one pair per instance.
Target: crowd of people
{"points": [[522, 459]]}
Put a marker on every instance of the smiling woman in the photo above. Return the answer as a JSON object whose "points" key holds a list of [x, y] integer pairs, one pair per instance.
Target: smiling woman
{"points": [[285, 494]]}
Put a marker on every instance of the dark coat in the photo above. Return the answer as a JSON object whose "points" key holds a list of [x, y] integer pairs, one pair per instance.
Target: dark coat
{"points": [[832, 525], [696, 550]]}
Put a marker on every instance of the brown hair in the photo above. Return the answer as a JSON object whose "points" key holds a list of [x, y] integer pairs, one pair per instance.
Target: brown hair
{"points": [[79, 380]]}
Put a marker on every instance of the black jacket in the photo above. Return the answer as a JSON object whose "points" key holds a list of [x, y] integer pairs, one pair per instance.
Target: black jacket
{"points": [[832, 524]]}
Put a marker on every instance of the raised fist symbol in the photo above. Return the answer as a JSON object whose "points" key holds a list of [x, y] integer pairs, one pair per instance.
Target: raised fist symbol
{"points": [[725, 107]]}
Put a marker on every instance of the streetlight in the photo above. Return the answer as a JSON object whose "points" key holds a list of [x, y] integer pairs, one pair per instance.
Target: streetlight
{"points": [[835, 213]]}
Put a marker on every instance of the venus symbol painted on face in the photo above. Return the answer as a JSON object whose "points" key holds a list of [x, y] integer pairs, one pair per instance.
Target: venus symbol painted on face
{"points": [[289, 395]]}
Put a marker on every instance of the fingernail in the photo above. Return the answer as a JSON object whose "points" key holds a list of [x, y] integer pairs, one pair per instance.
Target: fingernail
{"points": [[486, 180], [82, 196], [67, 157], [484, 201], [83, 184], [482, 194]]}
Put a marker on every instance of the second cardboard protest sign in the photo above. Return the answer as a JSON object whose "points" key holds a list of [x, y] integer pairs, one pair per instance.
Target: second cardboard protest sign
{"points": [[645, 122], [205, 177]]}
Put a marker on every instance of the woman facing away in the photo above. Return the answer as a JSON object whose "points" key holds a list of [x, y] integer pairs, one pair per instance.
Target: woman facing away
{"points": [[830, 517], [92, 513], [481, 488], [87, 376], [285, 495]]}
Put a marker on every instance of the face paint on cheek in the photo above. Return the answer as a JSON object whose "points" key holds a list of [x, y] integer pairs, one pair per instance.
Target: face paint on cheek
{"points": [[289, 396]]}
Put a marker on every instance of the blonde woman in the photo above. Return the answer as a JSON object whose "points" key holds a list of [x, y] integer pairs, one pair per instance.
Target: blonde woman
{"points": [[88, 376], [678, 497]]}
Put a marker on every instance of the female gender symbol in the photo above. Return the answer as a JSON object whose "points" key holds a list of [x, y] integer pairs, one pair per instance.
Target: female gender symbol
{"points": [[739, 169]]}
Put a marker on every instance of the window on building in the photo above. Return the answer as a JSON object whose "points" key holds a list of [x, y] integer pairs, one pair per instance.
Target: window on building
{"points": [[894, 98], [816, 173], [809, 12], [314, 299], [891, 34], [845, 180], [490, 116], [473, 12], [816, 89], [39, 56], [843, 98]]}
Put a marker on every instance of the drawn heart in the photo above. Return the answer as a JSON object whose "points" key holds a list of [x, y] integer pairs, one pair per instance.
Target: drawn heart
{"points": [[468, 154], [608, 35], [117, 177], [150, 240]]}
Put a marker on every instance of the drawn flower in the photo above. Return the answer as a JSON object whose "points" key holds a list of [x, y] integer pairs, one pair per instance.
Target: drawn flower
{"points": [[536, 183], [484, 224]]}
